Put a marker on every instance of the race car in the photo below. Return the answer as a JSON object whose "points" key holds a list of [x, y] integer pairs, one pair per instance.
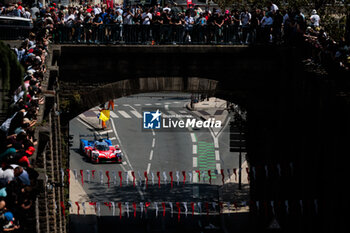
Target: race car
{"points": [[101, 151]]}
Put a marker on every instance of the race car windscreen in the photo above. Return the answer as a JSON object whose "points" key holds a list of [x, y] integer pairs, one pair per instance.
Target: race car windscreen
{"points": [[102, 147]]}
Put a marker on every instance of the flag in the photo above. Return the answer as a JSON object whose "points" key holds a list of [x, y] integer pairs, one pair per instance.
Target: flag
{"points": [[199, 175], [134, 206], [120, 210], [158, 175], [147, 204], [133, 177], [108, 178], [63, 208], [126, 178], [113, 208], [82, 177], [84, 209], [177, 177], [77, 207], [184, 175], [171, 179], [171, 208], [178, 211], [185, 205], [127, 208], [235, 172], [192, 207], [163, 204], [75, 175], [209, 174], [223, 176], [104, 115], [145, 173], [190, 174]]}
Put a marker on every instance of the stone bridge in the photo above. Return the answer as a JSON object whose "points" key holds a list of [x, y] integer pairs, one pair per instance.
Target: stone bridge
{"points": [[295, 117]]}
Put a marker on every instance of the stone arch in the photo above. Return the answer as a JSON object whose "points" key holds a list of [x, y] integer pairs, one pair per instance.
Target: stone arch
{"points": [[83, 99]]}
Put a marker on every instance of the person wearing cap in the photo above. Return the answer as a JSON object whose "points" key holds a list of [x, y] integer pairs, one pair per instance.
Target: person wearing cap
{"points": [[315, 19]]}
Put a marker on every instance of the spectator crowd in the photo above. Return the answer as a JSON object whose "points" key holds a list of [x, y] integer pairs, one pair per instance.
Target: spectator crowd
{"points": [[18, 179], [171, 24]]}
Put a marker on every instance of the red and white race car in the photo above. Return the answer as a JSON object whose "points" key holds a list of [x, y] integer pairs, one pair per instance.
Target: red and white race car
{"points": [[101, 151]]}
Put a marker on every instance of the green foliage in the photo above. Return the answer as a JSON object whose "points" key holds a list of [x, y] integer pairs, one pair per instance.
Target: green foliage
{"points": [[223, 4], [11, 73]]}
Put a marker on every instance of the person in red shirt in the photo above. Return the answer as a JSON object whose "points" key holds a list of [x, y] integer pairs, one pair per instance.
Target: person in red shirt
{"points": [[89, 9], [20, 6]]}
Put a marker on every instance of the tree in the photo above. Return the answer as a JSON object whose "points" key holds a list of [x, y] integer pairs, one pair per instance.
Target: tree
{"points": [[223, 4], [11, 74]]}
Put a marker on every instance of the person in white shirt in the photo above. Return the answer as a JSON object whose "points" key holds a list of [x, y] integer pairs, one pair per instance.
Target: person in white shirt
{"points": [[273, 7], [26, 13], [315, 19], [97, 9]]}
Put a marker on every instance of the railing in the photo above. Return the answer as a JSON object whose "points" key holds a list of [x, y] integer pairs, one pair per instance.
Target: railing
{"points": [[14, 33], [152, 34]]}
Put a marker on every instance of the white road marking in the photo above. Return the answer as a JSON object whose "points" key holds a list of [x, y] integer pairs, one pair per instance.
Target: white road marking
{"points": [[148, 167], [218, 167], [217, 155], [151, 155], [167, 103], [136, 113], [193, 137], [113, 115], [182, 111], [166, 106], [148, 104], [124, 163], [88, 126], [106, 131], [194, 149], [194, 177], [124, 114], [153, 142], [176, 102], [158, 104], [125, 104], [172, 113], [137, 104], [113, 138], [153, 133], [195, 162], [120, 143], [216, 142]]}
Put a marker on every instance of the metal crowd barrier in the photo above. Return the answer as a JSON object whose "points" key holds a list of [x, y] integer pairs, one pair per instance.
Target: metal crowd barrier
{"points": [[149, 34]]}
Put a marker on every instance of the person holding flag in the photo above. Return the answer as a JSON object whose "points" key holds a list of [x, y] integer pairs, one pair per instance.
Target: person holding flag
{"points": [[103, 116]]}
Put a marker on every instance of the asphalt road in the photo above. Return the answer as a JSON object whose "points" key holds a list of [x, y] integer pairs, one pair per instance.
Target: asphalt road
{"points": [[154, 151]]}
